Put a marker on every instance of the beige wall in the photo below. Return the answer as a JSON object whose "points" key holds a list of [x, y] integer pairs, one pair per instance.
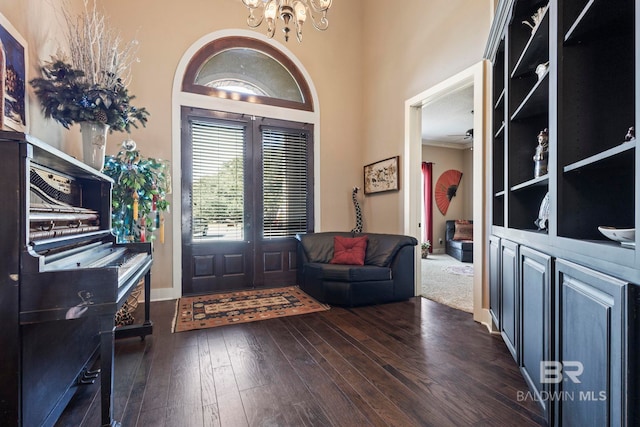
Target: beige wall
{"points": [[461, 206], [36, 21], [363, 68], [332, 58], [410, 48]]}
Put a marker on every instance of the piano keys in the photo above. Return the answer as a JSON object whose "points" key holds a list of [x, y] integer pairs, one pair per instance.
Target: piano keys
{"points": [[62, 279]]}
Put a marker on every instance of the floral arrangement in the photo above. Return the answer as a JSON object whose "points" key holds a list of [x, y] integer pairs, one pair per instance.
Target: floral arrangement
{"points": [[424, 248], [91, 84], [68, 99], [139, 194]]}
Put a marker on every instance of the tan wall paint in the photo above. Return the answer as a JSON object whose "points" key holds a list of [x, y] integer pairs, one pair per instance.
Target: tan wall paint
{"points": [[467, 159], [408, 50], [363, 68], [461, 206], [36, 21], [332, 58]]}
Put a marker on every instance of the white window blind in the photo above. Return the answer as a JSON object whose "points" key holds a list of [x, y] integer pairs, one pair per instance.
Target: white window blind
{"points": [[284, 174], [218, 181]]}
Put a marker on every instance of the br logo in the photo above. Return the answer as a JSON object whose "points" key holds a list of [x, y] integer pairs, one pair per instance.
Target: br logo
{"points": [[552, 372]]}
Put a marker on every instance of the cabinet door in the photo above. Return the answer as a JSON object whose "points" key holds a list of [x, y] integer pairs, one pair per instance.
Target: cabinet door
{"points": [[535, 320], [590, 326], [494, 280], [509, 293]]}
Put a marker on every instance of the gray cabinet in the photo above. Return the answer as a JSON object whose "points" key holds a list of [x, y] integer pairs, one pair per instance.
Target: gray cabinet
{"points": [[494, 281], [509, 295], [591, 313], [535, 321]]}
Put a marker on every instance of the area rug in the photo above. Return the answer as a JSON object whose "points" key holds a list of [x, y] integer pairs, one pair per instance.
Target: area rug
{"points": [[208, 311], [463, 270]]}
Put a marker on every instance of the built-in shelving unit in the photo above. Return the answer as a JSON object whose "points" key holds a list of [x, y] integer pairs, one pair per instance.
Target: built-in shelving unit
{"points": [[556, 285], [499, 126], [527, 111], [585, 96]]}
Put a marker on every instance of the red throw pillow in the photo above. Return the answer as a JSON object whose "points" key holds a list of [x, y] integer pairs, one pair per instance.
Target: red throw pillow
{"points": [[349, 250], [463, 232]]}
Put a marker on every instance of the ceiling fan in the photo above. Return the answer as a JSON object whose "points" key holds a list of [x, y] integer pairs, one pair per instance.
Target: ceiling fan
{"points": [[467, 135]]}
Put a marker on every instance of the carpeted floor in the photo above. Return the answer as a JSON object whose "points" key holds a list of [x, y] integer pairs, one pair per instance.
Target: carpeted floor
{"points": [[448, 281], [208, 311]]}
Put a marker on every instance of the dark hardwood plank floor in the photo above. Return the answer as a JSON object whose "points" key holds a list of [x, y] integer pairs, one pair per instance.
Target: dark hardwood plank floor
{"points": [[412, 363]]}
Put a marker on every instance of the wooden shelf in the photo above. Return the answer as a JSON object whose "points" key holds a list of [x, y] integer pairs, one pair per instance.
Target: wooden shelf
{"points": [[536, 102], [626, 146], [500, 99], [595, 15], [535, 182], [499, 132], [534, 51], [499, 194]]}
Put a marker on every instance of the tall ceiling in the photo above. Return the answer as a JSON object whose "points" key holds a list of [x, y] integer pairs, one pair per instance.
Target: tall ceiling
{"points": [[446, 120]]}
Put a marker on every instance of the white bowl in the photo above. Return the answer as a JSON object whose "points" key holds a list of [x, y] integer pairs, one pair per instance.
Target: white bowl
{"points": [[619, 234]]}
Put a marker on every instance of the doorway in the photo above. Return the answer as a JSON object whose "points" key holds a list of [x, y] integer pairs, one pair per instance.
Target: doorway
{"points": [[412, 174], [447, 151], [245, 187]]}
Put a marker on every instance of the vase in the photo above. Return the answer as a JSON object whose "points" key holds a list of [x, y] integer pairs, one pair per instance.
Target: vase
{"points": [[94, 143]]}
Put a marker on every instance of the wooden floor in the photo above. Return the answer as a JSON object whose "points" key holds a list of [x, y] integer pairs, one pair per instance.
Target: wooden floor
{"points": [[413, 363]]}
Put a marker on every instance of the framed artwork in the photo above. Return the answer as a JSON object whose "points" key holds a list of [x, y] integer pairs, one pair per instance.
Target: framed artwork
{"points": [[13, 77], [382, 176]]}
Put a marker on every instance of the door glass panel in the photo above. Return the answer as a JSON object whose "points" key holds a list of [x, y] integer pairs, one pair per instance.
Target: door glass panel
{"points": [[284, 169], [217, 202]]}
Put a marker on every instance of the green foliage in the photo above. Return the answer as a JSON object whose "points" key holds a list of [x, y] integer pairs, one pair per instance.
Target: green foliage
{"points": [[148, 177], [220, 195], [66, 97]]}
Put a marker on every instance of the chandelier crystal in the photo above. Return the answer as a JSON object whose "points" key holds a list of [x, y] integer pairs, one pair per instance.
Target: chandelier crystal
{"points": [[288, 10]]}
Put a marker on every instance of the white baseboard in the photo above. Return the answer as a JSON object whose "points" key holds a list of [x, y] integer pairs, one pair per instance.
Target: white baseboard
{"points": [[164, 294]]}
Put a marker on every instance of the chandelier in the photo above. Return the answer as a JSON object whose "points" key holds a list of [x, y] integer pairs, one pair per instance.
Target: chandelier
{"points": [[288, 10]]}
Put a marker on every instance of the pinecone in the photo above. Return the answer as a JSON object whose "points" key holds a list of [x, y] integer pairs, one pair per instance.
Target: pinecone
{"points": [[100, 116]]}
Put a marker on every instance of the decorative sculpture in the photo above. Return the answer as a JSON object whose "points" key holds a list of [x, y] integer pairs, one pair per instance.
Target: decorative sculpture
{"points": [[631, 134], [536, 18], [541, 157], [356, 205]]}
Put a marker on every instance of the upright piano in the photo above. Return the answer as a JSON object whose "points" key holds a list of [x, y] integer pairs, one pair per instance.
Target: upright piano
{"points": [[62, 279]]}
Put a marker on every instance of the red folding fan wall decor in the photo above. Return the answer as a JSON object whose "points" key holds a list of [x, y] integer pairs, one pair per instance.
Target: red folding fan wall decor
{"points": [[446, 188]]}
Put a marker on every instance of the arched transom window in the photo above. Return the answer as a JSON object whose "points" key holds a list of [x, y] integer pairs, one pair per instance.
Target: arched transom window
{"points": [[249, 70]]}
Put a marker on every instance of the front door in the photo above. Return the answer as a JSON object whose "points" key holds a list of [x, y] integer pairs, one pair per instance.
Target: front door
{"points": [[247, 190]]}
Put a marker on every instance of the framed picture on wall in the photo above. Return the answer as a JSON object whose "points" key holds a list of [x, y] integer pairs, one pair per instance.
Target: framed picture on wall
{"points": [[13, 78], [382, 176]]}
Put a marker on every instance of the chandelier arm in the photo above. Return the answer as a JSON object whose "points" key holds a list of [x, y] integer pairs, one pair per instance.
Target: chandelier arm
{"points": [[316, 5], [321, 24], [255, 21]]}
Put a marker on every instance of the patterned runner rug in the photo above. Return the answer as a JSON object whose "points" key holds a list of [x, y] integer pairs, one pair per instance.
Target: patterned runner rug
{"points": [[208, 311]]}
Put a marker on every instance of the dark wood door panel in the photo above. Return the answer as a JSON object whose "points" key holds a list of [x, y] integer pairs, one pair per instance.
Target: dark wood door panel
{"points": [[590, 330], [535, 318], [216, 267], [276, 263], [494, 280], [509, 302]]}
